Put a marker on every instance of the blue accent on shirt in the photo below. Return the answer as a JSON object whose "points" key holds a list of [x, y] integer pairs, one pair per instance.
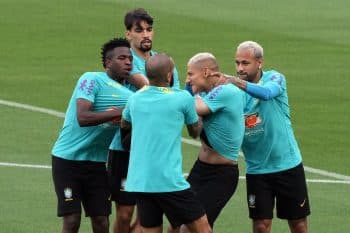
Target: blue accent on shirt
{"points": [[269, 143], [89, 143], [268, 91]]}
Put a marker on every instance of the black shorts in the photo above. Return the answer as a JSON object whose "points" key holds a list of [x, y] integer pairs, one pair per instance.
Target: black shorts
{"points": [[213, 185], [180, 207], [81, 182], [287, 188], [118, 162]]}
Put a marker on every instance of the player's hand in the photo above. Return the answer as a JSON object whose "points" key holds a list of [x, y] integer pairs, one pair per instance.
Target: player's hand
{"points": [[223, 79], [115, 120]]}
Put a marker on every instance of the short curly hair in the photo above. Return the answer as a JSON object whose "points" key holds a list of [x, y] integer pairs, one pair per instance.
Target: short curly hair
{"points": [[110, 45]]}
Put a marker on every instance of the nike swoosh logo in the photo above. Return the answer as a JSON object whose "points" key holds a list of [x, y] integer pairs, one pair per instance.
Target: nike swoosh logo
{"points": [[303, 203]]}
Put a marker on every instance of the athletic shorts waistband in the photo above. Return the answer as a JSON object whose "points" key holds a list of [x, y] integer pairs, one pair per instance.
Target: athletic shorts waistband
{"points": [[205, 164]]}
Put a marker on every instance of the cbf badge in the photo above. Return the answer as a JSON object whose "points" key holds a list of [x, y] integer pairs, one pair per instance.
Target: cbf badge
{"points": [[122, 185], [68, 194], [251, 201]]}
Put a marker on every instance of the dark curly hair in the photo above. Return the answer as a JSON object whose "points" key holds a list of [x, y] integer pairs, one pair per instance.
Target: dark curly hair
{"points": [[110, 45], [136, 16]]}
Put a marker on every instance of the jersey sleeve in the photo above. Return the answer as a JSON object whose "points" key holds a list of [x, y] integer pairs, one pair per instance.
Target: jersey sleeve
{"points": [[138, 67], [216, 98], [126, 111], [191, 116], [271, 88], [176, 79], [87, 87]]}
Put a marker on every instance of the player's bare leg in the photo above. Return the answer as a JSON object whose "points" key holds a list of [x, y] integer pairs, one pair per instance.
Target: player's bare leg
{"points": [[136, 226], [200, 225], [298, 226], [262, 225], [71, 223], [100, 224], [158, 229], [123, 218]]}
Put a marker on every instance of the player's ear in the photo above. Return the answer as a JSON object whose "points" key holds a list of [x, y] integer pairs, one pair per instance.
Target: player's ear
{"points": [[108, 63], [169, 77], [127, 34], [206, 72], [260, 62]]}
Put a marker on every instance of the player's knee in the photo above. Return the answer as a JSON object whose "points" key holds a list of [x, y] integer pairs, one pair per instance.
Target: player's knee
{"points": [[208, 229], [124, 215], [71, 223], [173, 230], [298, 226], [261, 226], [100, 222]]}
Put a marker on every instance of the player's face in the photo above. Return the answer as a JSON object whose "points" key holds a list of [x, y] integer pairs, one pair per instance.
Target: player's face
{"points": [[140, 36], [248, 67], [196, 78], [120, 64]]}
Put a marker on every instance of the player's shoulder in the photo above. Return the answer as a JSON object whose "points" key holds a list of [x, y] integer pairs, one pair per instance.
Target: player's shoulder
{"points": [[93, 75], [142, 91], [223, 91], [180, 92], [273, 75]]}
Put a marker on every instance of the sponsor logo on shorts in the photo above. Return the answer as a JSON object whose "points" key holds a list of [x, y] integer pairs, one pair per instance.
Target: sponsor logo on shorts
{"points": [[302, 203], [251, 201], [68, 194]]}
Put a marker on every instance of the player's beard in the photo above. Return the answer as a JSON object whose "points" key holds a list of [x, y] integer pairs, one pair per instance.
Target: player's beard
{"points": [[145, 48]]}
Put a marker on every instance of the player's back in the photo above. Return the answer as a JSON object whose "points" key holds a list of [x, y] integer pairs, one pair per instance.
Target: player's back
{"points": [[159, 111], [157, 115]]}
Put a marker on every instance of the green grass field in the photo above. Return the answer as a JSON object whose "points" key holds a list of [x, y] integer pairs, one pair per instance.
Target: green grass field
{"points": [[46, 45]]}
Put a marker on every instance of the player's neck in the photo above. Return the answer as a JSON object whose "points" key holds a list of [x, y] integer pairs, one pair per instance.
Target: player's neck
{"points": [[115, 78], [257, 77], [214, 83], [159, 84], [143, 54]]}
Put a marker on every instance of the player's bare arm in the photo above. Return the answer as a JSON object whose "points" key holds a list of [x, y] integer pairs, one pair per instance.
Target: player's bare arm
{"points": [[124, 124], [194, 129], [201, 107], [86, 117], [138, 80], [226, 78]]}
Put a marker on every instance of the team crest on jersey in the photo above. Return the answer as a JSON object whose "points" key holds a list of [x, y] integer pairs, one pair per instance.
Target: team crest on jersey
{"points": [[252, 120], [68, 193], [122, 184], [251, 201], [165, 90], [114, 84]]}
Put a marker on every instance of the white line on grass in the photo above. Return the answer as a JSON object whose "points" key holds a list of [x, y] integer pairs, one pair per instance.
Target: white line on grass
{"points": [[32, 108], [185, 140], [5, 164], [24, 165], [327, 173]]}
